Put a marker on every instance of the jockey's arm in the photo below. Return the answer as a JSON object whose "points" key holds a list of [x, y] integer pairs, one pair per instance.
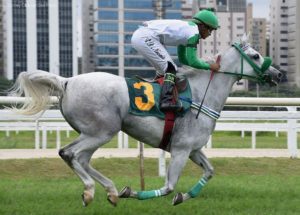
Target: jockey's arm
{"points": [[187, 54]]}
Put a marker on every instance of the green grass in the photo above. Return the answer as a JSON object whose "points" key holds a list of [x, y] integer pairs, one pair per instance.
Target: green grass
{"points": [[240, 186], [220, 139]]}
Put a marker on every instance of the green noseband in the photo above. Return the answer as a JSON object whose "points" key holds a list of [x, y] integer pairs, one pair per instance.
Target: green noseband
{"points": [[266, 64]]}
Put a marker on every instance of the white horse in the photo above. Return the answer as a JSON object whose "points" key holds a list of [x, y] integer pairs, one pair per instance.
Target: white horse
{"points": [[96, 105]]}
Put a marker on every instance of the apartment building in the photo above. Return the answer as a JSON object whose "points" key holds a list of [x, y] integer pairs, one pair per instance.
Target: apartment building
{"points": [[40, 34]]}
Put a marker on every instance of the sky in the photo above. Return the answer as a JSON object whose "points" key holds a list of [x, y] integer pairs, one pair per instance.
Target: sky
{"points": [[260, 8]]}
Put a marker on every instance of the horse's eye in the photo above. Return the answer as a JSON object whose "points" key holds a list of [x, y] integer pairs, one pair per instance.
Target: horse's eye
{"points": [[255, 57]]}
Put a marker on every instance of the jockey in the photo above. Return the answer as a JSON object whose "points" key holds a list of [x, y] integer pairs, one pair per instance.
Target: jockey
{"points": [[151, 38]]}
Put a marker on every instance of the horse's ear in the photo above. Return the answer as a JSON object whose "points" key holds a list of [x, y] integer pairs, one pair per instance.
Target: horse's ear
{"points": [[244, 38]]}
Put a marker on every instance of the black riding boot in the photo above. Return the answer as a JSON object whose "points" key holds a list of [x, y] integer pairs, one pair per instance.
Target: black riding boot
{"points": [[168, 99]]}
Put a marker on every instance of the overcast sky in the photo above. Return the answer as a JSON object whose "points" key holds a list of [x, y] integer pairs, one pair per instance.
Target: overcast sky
{"points": [[260, 8]]}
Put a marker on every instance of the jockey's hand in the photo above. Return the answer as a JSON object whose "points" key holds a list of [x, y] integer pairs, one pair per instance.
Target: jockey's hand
{"points": [[215, 67]]}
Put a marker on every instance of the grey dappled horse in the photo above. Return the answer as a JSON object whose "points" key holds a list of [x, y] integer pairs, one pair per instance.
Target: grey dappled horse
{"points": [[96, 105]]}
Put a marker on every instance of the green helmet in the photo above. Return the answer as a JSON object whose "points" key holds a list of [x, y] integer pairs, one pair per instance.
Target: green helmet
{"points": [[207, 17]]}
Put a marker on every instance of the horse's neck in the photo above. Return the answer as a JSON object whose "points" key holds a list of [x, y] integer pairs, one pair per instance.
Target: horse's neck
{"points": [[217, 92], [220, 85]]}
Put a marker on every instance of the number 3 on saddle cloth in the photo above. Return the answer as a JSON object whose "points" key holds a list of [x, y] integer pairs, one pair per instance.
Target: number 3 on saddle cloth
{"points": [[144, 98]]}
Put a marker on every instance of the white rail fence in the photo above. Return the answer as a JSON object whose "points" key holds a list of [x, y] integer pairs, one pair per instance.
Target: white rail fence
{"points": [[278, 121]]}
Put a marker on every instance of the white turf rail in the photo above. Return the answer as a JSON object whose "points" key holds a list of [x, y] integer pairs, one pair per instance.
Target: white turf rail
{"points": [[148, 153], [247, 101], [284, 121]]}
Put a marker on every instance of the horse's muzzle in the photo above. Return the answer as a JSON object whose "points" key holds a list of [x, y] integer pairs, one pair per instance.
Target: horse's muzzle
{"points": [[272, 76]]}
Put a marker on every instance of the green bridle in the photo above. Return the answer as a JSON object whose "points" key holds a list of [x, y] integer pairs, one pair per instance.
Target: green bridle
{"points": [[261, 77]]}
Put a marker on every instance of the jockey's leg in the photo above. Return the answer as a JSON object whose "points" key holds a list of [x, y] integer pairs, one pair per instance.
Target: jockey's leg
{"points": [[169, 95], [200, 159]]}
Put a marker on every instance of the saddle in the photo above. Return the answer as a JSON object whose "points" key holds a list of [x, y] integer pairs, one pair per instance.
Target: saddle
{"points": [[144, 101], [180, 82]]}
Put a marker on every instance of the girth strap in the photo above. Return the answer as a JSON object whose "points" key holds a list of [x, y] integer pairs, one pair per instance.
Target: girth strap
{"points": [[169, 124]]}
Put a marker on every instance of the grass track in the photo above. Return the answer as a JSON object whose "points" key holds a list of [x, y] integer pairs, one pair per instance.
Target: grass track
{"points": [[240, 186]]}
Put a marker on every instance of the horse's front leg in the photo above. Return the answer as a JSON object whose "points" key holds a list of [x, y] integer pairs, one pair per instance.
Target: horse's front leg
{"points": [[177, 162], [201, 160]]}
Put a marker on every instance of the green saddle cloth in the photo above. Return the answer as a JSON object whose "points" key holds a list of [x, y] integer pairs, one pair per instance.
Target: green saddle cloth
{"points": [[144, 98]]}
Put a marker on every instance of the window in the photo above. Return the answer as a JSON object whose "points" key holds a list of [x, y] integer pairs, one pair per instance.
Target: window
{"points": [[107, 38], [109, 4], [137, 15], [107, 50], [108, 26], [108, 15], [283, 56]]}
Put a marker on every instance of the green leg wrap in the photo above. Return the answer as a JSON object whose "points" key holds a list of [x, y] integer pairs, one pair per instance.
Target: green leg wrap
{"points": [[197, 188], [142, 195]]}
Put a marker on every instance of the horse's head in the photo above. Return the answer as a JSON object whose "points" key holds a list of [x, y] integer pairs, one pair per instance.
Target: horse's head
{"points": [[253, 66]]}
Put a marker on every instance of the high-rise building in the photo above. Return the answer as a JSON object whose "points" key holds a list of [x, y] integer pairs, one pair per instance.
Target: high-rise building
{"points": [[279, 33], [237, 5], [285, 38], [114, 23], [259, 41], [1, 40], [40, 34], [87, 14], [232, 18], [294, 42]]}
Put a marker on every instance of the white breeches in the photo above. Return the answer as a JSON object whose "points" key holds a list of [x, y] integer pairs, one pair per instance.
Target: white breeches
{"points": [[147, 43]]}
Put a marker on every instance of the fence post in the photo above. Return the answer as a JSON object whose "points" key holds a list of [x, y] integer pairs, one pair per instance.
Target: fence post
{"points": [[253, 139], [125, 140], [44, 137], [142, 169], [7, 132], [37, 135], [68, 133], [58, 138], [120, 140], [292, 134], [209, 142]]}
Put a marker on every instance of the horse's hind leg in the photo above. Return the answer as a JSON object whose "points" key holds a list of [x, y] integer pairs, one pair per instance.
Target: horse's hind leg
{"points": [[112, 193], [77, 155], [200, 159], [177, 163]]}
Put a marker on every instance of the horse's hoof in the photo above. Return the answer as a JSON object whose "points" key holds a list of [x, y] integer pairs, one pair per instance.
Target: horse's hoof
{"points": [[113, 199], [87, 198], [125, 192], [178, 198]]}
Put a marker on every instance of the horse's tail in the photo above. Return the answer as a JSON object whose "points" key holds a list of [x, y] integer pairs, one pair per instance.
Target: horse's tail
{"points": [[37, 87]]}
